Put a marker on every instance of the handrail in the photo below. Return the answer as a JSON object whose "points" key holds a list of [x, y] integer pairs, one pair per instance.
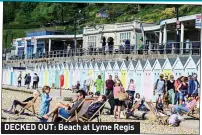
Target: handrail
{"points": [[180, 48]]}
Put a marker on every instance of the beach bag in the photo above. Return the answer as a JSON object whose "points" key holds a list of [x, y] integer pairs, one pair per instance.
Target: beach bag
{"points": [[122, 96]]}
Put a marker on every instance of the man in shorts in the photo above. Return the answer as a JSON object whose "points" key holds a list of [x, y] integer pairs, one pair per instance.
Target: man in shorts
{"points": [[159, 88]]}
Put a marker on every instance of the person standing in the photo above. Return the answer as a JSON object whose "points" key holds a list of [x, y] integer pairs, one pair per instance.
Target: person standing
{"points": [[28, 80], [118, 103], [37, 84], [98, 84], [88, 83], [159, 88], [25, 78], [109, 86], [183, 89], [131, 87], [191, 85], [171, 90], [34, 81], [19, 80], [197, 86]]}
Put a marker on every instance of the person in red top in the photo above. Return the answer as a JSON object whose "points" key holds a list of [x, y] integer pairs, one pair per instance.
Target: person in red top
{"points": [[109, 86], [176, 84]]}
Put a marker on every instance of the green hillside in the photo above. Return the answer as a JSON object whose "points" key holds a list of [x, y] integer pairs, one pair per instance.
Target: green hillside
{"points": [[22, 16]]}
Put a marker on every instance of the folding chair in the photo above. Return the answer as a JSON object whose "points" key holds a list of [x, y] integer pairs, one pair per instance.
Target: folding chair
{"points": [[160, 117], [83, 110], [97, 114], [29, 105], [73, 114], [190, 112]]}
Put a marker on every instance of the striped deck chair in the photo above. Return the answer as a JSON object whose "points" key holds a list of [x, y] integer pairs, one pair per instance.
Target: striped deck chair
{"points": [[159, 117], [97, 114], [190, 112], [73, 114], [83, 110], [29, 107]]}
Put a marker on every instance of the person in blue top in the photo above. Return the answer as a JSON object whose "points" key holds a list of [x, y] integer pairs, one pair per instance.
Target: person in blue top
{"points": [[45, 102], [197, 86]]}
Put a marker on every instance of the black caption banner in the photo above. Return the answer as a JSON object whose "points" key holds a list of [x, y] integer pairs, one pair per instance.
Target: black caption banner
{"points": [[70, 128]]}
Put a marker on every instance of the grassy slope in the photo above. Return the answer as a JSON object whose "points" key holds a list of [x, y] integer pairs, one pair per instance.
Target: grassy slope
{"points": [[152, 14]]}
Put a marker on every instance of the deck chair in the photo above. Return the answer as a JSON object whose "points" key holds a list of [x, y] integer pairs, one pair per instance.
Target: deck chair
{"points": [[159, 117], [73, 114], [83, 110], [97, 114], [29, 107], [190, 112]]}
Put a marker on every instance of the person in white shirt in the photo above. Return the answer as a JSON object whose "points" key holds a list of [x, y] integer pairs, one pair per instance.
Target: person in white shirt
{"points": [[88, 82]]}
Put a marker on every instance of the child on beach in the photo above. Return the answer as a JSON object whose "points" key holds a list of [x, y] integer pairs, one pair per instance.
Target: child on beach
{"points": [[45, 102]]}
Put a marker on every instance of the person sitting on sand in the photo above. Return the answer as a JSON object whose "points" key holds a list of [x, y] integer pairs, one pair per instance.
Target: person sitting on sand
{"points": [[21, 103], [64, 109]]}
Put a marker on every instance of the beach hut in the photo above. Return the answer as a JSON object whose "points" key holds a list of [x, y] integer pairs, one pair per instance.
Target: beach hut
{"points": [[198, 65], [157, 69], [103, 69], [131, 72], [57, 76], [124, 73], [49, 69], [139, 76], [116, 69], [109, 69], [124, 68], [148, 79], [16, 73], [96, 71], [66, 76], [82, 73], [40, 70], [71, 75], [167, 66], [190, 66], [4, 75], [46, 74], [178, 66]]}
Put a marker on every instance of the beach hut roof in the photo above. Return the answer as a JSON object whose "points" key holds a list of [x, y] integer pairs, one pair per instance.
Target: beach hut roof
{"points": [[161, 61], [126, 63], [134, 62], [142, 62], [93, 64], [196, 59], [152, 62], [183, 60], [119, 63], [112, 64], [172, 61], [105, 64], [99, 64]]}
